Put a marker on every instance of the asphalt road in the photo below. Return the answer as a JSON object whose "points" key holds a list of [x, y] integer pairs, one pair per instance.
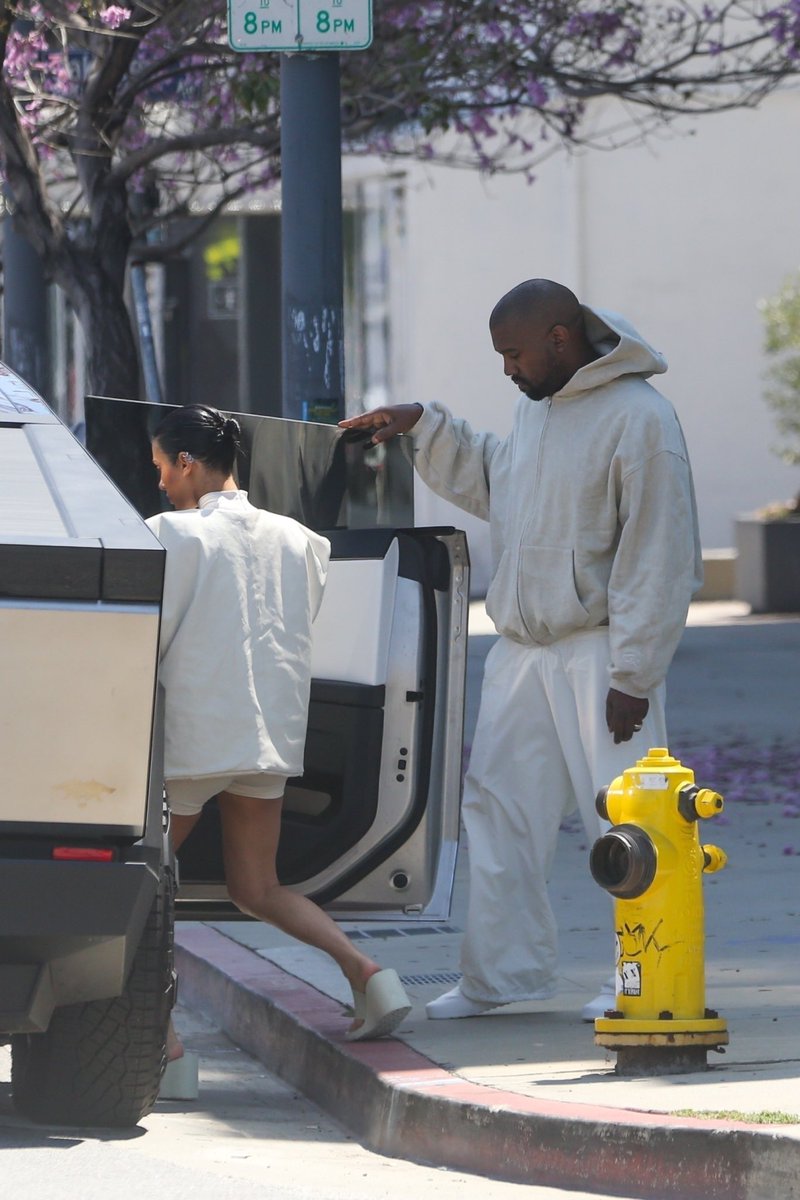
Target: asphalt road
{"points": [[733, 679]]}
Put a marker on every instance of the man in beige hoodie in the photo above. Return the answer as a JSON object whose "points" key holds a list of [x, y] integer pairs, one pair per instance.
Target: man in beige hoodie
{"points": [[595, 554]]}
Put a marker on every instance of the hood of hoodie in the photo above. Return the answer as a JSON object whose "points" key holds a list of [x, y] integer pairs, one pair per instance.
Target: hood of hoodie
{"points": [[623, 351]]}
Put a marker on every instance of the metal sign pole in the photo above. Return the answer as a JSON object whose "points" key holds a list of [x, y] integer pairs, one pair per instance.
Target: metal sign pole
{"points": [[24, 336], [311, 238], [311, 36]]}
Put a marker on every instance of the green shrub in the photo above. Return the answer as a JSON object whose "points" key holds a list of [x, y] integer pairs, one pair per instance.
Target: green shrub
{"points": [[782, 344]]}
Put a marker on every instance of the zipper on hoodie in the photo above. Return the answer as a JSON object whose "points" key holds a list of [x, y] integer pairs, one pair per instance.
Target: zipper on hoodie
{"points": [[541, 444], [525, 525], [538, 471]]}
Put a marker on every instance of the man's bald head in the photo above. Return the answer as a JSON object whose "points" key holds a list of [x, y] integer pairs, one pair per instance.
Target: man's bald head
{"points": [[538, 328], [539, 301]]}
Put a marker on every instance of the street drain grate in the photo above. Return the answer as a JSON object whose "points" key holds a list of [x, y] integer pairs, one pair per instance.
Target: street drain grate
{"points": [[407, 931], [439, 977]]}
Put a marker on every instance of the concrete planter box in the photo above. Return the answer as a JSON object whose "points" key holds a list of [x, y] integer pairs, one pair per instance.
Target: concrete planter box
{"points": [[768, 563], [719, 575]]}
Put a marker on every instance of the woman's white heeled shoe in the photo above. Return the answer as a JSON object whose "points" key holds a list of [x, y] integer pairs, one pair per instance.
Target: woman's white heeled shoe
{"points": [[380, 1007]]}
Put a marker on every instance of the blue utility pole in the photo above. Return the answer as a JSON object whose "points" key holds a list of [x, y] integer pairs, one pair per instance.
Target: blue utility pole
{"points": [[311, 238], [25, 341]]}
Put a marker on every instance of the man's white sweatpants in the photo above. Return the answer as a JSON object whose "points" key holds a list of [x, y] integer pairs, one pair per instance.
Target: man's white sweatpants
{"points": [[541, 748]]}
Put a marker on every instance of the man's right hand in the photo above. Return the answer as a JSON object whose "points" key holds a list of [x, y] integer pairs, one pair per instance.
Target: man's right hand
{"points": [[387, 422], [624, 714]]}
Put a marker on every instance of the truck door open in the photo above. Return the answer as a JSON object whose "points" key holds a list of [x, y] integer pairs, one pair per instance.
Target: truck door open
{"points": [[371, 827]]}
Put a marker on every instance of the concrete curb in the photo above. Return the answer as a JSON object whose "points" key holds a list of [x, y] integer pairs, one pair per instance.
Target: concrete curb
{"points": [[400, 1103]]}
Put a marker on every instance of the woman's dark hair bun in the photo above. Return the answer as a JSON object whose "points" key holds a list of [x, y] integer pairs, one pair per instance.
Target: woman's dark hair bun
{"points": [[201, 431]]}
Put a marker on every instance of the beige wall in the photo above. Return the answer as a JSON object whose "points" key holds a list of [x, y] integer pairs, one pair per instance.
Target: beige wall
{"points": [[683, 236]]}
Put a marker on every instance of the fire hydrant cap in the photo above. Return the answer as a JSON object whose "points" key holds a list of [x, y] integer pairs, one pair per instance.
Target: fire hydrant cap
{"points": [[658, 756]]}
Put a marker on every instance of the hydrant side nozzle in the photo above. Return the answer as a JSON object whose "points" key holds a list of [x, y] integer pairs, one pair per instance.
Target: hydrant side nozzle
{"points": [[708, 803], [714, 859], [601, 803], [696, 803], [624, 861]]}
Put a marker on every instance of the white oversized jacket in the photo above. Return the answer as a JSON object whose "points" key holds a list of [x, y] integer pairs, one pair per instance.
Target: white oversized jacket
{"points": [[241, 589], [591, 506]]}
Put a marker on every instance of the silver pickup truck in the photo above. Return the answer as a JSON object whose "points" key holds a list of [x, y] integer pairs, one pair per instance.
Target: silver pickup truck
{"points": [[86, 883], [86, 880]]}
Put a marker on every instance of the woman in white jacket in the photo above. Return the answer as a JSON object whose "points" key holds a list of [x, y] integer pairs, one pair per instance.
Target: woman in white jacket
{"points": [[242, 587]]}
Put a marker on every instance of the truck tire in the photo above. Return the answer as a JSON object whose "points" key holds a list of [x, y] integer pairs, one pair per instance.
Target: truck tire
{"points": [[100, 1063]]}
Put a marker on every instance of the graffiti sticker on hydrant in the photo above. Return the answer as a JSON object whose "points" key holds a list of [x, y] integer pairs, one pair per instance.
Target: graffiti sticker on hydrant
{"points": [[631, 978]]}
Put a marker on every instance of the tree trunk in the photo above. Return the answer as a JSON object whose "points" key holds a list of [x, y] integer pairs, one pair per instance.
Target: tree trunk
{"points": [[112, 363], [118, 436]]}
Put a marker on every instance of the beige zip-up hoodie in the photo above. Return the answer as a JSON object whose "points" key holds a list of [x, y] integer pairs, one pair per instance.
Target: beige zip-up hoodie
{"points": [[591, 506]]}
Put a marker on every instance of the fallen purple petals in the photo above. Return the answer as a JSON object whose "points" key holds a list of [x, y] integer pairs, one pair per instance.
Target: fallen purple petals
{"points": [[747, 772]]}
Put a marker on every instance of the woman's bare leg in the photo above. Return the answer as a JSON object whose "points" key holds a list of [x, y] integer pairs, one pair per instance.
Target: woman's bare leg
{"points": [[250, 833], [179, 829]]}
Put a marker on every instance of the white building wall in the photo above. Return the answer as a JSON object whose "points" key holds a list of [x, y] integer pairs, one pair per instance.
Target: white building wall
{"points": [[686, 237], [683, 236]]}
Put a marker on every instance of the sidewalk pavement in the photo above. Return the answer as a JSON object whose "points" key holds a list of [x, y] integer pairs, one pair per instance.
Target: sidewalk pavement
{"points": [[523, 1093]]}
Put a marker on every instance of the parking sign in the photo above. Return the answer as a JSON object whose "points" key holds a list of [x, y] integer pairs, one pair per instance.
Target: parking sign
{"points": [[310, 25]]}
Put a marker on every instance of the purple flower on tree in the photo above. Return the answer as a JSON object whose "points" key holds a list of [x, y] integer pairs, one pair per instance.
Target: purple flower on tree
{"points": [[115, 15]]}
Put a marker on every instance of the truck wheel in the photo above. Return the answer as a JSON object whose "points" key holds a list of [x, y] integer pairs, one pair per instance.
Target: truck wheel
{"points": [[100, 1063]]}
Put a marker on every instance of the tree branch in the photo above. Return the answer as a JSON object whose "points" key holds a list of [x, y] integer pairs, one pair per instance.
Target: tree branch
{"points": [[38, 218], [207, 139]]}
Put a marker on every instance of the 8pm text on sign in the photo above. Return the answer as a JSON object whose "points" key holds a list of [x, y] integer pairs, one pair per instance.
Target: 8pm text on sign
{"points": [[307, 25]]}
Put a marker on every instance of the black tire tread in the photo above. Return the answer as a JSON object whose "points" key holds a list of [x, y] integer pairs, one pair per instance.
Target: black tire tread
{"points": [[100, 1063]]}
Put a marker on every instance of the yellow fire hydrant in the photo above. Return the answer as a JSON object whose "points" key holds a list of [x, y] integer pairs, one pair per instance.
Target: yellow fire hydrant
{"points": [[652, 862]]}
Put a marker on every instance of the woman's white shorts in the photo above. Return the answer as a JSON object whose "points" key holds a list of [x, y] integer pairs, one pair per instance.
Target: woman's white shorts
{"points": [[187, 796]]}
